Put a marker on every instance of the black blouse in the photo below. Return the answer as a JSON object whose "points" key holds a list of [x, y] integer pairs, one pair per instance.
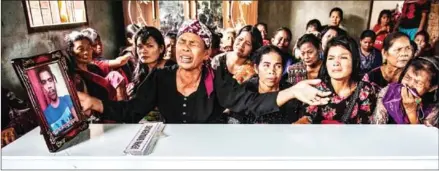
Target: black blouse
{"points": [[160, 89], [287, 114], [376, 78]]}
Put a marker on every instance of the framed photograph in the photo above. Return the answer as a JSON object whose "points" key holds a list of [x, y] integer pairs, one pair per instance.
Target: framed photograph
{"points": [[53, 97]]}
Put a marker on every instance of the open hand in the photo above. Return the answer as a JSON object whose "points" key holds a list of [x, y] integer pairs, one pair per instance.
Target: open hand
{"points": [[305, 92]]}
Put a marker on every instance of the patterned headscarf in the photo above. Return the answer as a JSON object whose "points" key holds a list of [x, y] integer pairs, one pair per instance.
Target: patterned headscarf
{"points": [[198, 28], [194, 26]]}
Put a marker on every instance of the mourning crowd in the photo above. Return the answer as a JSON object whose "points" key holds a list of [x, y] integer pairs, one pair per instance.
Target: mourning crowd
{"points": [[241, 76]]}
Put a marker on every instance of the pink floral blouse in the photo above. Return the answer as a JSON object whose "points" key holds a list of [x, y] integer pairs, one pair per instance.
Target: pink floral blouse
{"points": [[361, 113]]}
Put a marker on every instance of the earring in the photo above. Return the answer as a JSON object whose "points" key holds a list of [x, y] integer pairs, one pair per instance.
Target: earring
{"points": [[385, 62], [436, 94]]}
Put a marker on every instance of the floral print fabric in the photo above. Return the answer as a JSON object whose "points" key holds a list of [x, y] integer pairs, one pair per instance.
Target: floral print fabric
{"points": [[335, 109]]}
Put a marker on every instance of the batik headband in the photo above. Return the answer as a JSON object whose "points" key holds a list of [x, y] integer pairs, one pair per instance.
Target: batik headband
{"points": [[198, 28]]}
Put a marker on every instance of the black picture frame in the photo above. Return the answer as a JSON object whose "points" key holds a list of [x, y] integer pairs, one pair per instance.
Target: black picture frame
{"points": [[73, 120]]}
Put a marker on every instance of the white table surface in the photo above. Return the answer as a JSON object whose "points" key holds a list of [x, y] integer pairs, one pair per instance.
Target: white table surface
{"points": [[224, 146]]}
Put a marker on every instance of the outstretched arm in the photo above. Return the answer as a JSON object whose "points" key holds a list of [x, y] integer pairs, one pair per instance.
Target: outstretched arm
{"points": [[131, 111], [238, 99], [119, 61]]}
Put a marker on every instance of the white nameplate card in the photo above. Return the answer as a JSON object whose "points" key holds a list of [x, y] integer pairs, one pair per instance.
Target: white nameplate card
{"points": [[145, 139]]}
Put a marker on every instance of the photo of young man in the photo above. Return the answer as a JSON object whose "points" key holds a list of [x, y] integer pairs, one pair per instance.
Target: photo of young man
{"points": [[59, 112]]}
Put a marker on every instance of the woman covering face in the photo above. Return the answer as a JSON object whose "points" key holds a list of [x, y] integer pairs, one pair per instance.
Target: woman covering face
{"points": [[415, 98]]}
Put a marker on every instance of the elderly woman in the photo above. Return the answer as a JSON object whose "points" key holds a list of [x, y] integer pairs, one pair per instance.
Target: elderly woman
{"points": [[309, 67], [413, 99], [118, 79], [191, 92], [98, 49], [396, 52], [352, 101], [238, 61], [88, 77], [269, 67]]}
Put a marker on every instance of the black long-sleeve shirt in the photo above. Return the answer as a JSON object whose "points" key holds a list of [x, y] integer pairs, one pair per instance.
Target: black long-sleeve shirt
{"points": [[287, 114], [160, 89]]}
